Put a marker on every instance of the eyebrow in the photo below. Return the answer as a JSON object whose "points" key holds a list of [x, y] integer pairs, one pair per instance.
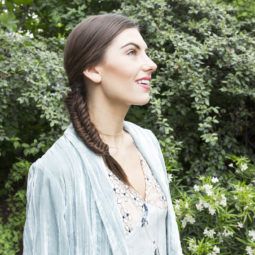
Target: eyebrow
{"points": [[134, 44]]}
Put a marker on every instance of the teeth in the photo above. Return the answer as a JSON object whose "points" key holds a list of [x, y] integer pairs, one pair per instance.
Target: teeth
{"points": [[143, 82]]}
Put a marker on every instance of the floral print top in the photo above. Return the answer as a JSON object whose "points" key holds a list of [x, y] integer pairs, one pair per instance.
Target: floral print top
{"points": [[132, 206]]}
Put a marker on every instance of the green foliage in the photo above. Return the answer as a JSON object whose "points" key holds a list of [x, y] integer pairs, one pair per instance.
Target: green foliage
{"points": [[32, 116], [13, 209], [245, 9], [50, 18], [202, 110], [217, 215]]}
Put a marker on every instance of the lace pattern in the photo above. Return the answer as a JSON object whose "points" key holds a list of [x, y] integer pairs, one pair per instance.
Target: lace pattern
{"points": [[131, 204]]}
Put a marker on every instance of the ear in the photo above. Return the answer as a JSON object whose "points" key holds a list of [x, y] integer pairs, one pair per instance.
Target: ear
{"points": [[93, 74]]}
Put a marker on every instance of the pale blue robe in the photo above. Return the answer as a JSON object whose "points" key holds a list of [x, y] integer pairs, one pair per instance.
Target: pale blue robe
{"points": [[70, 203]]}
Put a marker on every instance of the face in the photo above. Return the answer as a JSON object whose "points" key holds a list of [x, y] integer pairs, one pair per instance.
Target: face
{"points": [[126, 69]]}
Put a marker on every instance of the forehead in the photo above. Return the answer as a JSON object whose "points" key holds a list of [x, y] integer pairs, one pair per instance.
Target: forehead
{"points": [[127, 36]]}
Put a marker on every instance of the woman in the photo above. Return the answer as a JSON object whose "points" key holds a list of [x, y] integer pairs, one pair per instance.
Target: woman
{"points": [[102, 187]]}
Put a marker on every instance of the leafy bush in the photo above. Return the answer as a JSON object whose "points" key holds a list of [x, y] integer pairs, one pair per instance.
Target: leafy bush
{"points": [[32, 117], [244, 9], [217, 215]]}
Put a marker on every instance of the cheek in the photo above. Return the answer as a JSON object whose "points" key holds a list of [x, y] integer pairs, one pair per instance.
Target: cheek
{"points": [[121, 70]]}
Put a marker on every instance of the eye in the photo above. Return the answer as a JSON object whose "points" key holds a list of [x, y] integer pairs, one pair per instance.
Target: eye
{"points": [[131, 52]]}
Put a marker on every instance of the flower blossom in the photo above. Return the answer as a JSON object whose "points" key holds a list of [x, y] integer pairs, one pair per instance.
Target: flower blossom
{"points": [[216, 250], [170, 177], [209, 232], [243, 167], [223, 200], [249, 250], [215, 180], [227, 233], [208, 189], [240, 225], [251, 234], [196, 188], [188, 219]]}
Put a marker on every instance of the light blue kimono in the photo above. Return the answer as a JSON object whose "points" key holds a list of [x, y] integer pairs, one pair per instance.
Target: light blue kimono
{"points": [[71, 208]]}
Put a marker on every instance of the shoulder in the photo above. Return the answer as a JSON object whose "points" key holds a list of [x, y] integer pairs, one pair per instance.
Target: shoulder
{"points": [[141, 131], [58, 158]]}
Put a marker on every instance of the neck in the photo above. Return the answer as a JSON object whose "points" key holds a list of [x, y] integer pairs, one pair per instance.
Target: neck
{"points": [[109, 120]]}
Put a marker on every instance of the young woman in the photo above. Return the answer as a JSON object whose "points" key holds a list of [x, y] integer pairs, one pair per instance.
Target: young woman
{"points": [[102, 187]]}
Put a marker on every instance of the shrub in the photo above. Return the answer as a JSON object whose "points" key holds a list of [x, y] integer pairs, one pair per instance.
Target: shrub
{"points": [[32, 117]]}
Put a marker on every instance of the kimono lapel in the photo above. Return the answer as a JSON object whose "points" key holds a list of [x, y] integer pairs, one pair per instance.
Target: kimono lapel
{"points": [[94, 167], [148, 149]]}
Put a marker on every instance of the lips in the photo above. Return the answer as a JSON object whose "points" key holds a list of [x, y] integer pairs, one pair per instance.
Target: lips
{"points": [[143, 82], [144, 79]]}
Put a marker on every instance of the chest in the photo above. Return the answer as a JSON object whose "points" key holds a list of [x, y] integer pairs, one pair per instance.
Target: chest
{"points": [[130, 161]]}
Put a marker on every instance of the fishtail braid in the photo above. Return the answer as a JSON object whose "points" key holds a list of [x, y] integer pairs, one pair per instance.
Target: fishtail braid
{"points": [[78, 110]]}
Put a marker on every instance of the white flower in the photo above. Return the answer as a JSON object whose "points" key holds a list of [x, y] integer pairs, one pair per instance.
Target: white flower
{"points": [[187, 219], [243, 167], [196, 188], [200, 206], [251, 234], [190, 219], [231, 165], [211, 210], [177, 205], [215, 179], [216, 250], [227, 233], [240, 225], [184, 223], [169, 177], [206, 205], [209, 233], [249, 250], [223, 200], [208, 189], [192, 246]]}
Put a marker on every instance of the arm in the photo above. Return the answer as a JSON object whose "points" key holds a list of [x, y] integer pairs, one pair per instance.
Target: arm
{"points": [[45, 228]]}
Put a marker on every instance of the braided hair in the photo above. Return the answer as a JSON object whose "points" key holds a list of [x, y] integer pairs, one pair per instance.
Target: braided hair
{"points": [[85, 47]]}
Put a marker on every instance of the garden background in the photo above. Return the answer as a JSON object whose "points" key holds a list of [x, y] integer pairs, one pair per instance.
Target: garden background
{"points": [[202, 108]]}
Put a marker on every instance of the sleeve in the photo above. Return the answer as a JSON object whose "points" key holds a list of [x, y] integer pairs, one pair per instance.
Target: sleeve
{"points": [[157, 145], [45, 228]]}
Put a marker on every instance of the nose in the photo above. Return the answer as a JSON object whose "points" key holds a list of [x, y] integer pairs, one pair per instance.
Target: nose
{"points": [[149, 65]]}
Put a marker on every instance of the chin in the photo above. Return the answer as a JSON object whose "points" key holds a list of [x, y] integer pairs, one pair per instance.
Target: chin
{"points": [[142, 101]]}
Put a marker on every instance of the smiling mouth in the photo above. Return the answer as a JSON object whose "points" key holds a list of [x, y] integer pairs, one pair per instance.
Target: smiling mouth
{"points": [[145, 84]]}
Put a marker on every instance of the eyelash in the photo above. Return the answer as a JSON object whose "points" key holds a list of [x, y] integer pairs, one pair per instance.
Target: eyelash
{"points": [[131, 51], [134, 52]]}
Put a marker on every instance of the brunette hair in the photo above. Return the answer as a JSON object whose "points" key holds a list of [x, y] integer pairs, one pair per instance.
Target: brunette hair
{"points": [[85, 47]]}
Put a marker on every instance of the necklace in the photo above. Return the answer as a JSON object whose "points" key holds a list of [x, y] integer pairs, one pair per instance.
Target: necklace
{"points": [[113, 149], [120, 133]]}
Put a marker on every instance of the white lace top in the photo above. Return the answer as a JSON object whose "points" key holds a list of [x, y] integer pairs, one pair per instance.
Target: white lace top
{"points": [[132, 206]]}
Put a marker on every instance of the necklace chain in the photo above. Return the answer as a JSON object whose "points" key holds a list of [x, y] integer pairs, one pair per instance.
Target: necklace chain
{"points": [[114, 149], [119, 134]]}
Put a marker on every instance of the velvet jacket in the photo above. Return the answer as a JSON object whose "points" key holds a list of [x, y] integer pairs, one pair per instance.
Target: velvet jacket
{"points": [[71, 208]]}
